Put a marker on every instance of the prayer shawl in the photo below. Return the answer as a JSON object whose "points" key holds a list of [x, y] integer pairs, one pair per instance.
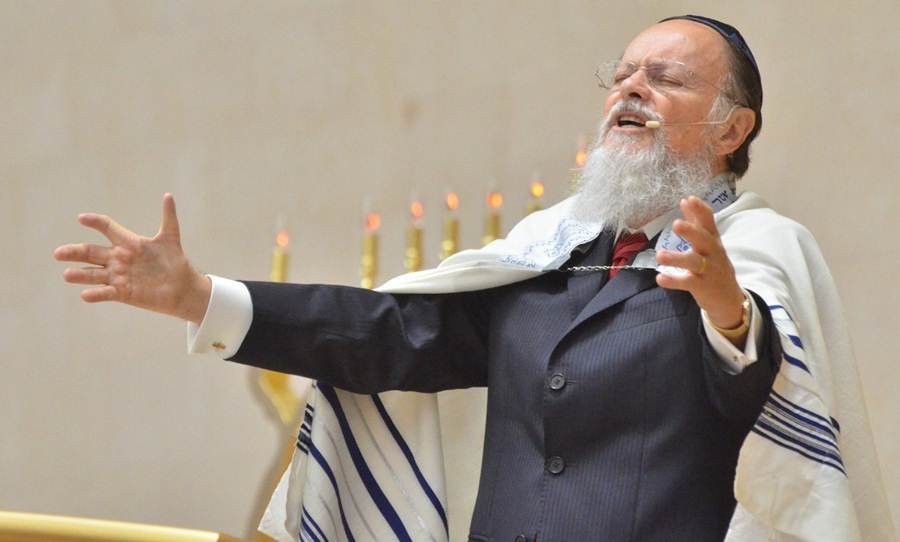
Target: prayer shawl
{"points": [[391, 466]]}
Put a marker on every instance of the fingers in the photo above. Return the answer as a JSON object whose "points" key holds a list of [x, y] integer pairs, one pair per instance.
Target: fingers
{"points": [[86, 275], [673, 282], [701, 240], [691, 261], [696, 265], [699, 213], [169, 226], [96, 295], [83, 252], [105, 225]]}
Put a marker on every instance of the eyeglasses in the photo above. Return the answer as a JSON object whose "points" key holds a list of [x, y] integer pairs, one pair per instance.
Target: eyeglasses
{"points": [[662, 75]]}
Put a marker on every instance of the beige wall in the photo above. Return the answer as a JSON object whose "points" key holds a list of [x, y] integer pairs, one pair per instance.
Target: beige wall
{"points": [[248, 109]]}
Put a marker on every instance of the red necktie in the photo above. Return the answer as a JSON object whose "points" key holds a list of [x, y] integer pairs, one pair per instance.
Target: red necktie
{"points": [[626, 247]]}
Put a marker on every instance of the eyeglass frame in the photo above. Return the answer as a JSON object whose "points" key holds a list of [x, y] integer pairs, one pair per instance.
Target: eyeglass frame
{"points": [[611, 66]]}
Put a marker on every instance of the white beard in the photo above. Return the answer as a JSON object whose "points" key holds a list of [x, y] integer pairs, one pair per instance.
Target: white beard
{"points": [[621, 185]]}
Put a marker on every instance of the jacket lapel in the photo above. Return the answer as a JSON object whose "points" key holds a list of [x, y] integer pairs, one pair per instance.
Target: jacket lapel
{"points": [[581, 287], [627, 283]]}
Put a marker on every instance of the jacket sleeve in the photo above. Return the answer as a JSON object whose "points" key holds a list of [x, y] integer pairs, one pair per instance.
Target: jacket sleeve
{"points": [[741, 396], [366, 341]]}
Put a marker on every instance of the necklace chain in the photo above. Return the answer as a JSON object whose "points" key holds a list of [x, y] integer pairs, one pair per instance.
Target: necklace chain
{"points": [[589, 268]]}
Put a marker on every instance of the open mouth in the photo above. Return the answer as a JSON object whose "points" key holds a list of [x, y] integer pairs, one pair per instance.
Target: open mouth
{"points": [[630, 120]]}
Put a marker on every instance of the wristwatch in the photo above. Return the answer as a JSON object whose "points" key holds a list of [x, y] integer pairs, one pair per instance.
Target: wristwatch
{"points": [[742, 328]]}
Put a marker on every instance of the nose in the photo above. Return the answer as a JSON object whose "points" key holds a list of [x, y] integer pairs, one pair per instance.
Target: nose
{"points": [[636, 86]]}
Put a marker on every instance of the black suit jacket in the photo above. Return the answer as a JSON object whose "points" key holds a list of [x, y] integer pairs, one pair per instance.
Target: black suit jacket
{"points": [[609, 416]]}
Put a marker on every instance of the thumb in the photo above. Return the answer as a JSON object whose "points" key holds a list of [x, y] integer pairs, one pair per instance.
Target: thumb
{"points": [[169, 225]]}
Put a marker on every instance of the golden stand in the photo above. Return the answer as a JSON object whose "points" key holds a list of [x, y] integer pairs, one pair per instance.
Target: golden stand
{"points": [[25, 527]]}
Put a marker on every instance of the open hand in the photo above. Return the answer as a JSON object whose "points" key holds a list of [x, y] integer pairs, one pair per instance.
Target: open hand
{"points": [[710, 278], [150, 273]]}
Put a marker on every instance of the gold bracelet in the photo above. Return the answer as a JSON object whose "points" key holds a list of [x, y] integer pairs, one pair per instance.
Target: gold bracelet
{"points": [[744, 326]]}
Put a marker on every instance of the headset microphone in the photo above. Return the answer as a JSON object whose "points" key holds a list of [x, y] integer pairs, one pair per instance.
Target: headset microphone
{"points": [[654, 124]]}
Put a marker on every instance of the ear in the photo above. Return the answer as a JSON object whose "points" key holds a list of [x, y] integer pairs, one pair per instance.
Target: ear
{"points": [[736, 130]]}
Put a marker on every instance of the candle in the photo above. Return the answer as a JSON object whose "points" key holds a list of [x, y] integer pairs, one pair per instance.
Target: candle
{"points": [[412, 256], [535, 193], [368, 269], [276, 386], [280, 258], [450, 239], [492, 228], [581, 156]]}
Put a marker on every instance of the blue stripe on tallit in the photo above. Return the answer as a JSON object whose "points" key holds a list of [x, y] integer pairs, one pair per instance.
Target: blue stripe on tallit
{"points": [[794, 339], [303, 440], [378, 496], [315, 525], [304, 526], [802, 429], [798, 451], [781, 307], [796, 362], [317, 455], [805, 410], [811, 452], [812, 447], [407, 452], [787, 407]]}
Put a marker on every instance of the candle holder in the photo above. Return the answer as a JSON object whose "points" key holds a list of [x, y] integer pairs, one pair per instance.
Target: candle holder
{"points": [[492, 228], [450, 238], [412, 255], [535, 193], [368, 268], [581, 156]]}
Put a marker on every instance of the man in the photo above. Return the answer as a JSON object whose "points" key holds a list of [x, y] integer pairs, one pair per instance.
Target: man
{"points": [[619, 397]]}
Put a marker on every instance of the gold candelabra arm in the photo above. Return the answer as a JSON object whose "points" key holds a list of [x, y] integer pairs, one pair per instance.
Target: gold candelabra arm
{"points": [[412, 257], [277, 389], [22, 526], [491, 228], [450, 239], [369, 264]]}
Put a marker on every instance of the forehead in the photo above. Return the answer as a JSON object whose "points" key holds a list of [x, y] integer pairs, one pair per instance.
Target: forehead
{"points": [[701, 48]]}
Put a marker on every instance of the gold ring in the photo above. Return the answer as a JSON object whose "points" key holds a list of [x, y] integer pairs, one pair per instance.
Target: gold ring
{"points": [[702, 265]]}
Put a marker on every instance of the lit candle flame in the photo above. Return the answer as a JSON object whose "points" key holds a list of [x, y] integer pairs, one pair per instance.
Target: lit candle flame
{"points": [[416, 210], [537, 189], [373, 222], [495, 200], [452, 201], [282, 239], [582, 153]]}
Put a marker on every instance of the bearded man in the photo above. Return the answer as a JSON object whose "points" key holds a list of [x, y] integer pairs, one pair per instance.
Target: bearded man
{"points": [[629, 339]]}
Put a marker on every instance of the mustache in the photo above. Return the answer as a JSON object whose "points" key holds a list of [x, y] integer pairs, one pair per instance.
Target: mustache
{"points": [[628, 106]]}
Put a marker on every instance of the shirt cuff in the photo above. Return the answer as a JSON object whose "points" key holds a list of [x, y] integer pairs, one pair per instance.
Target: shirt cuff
{"points": [[735, 360], [226, 322]]}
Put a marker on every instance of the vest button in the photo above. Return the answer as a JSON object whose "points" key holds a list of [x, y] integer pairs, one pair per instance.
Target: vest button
{"points": [[556, 465], [557, 381]]}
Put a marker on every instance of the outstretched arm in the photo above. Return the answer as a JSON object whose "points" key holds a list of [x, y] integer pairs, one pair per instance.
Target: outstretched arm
{"points": [[366, 341], [147, 272]]}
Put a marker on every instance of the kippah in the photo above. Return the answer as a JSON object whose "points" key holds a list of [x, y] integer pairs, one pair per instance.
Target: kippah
{"points": [[731, 35]]}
